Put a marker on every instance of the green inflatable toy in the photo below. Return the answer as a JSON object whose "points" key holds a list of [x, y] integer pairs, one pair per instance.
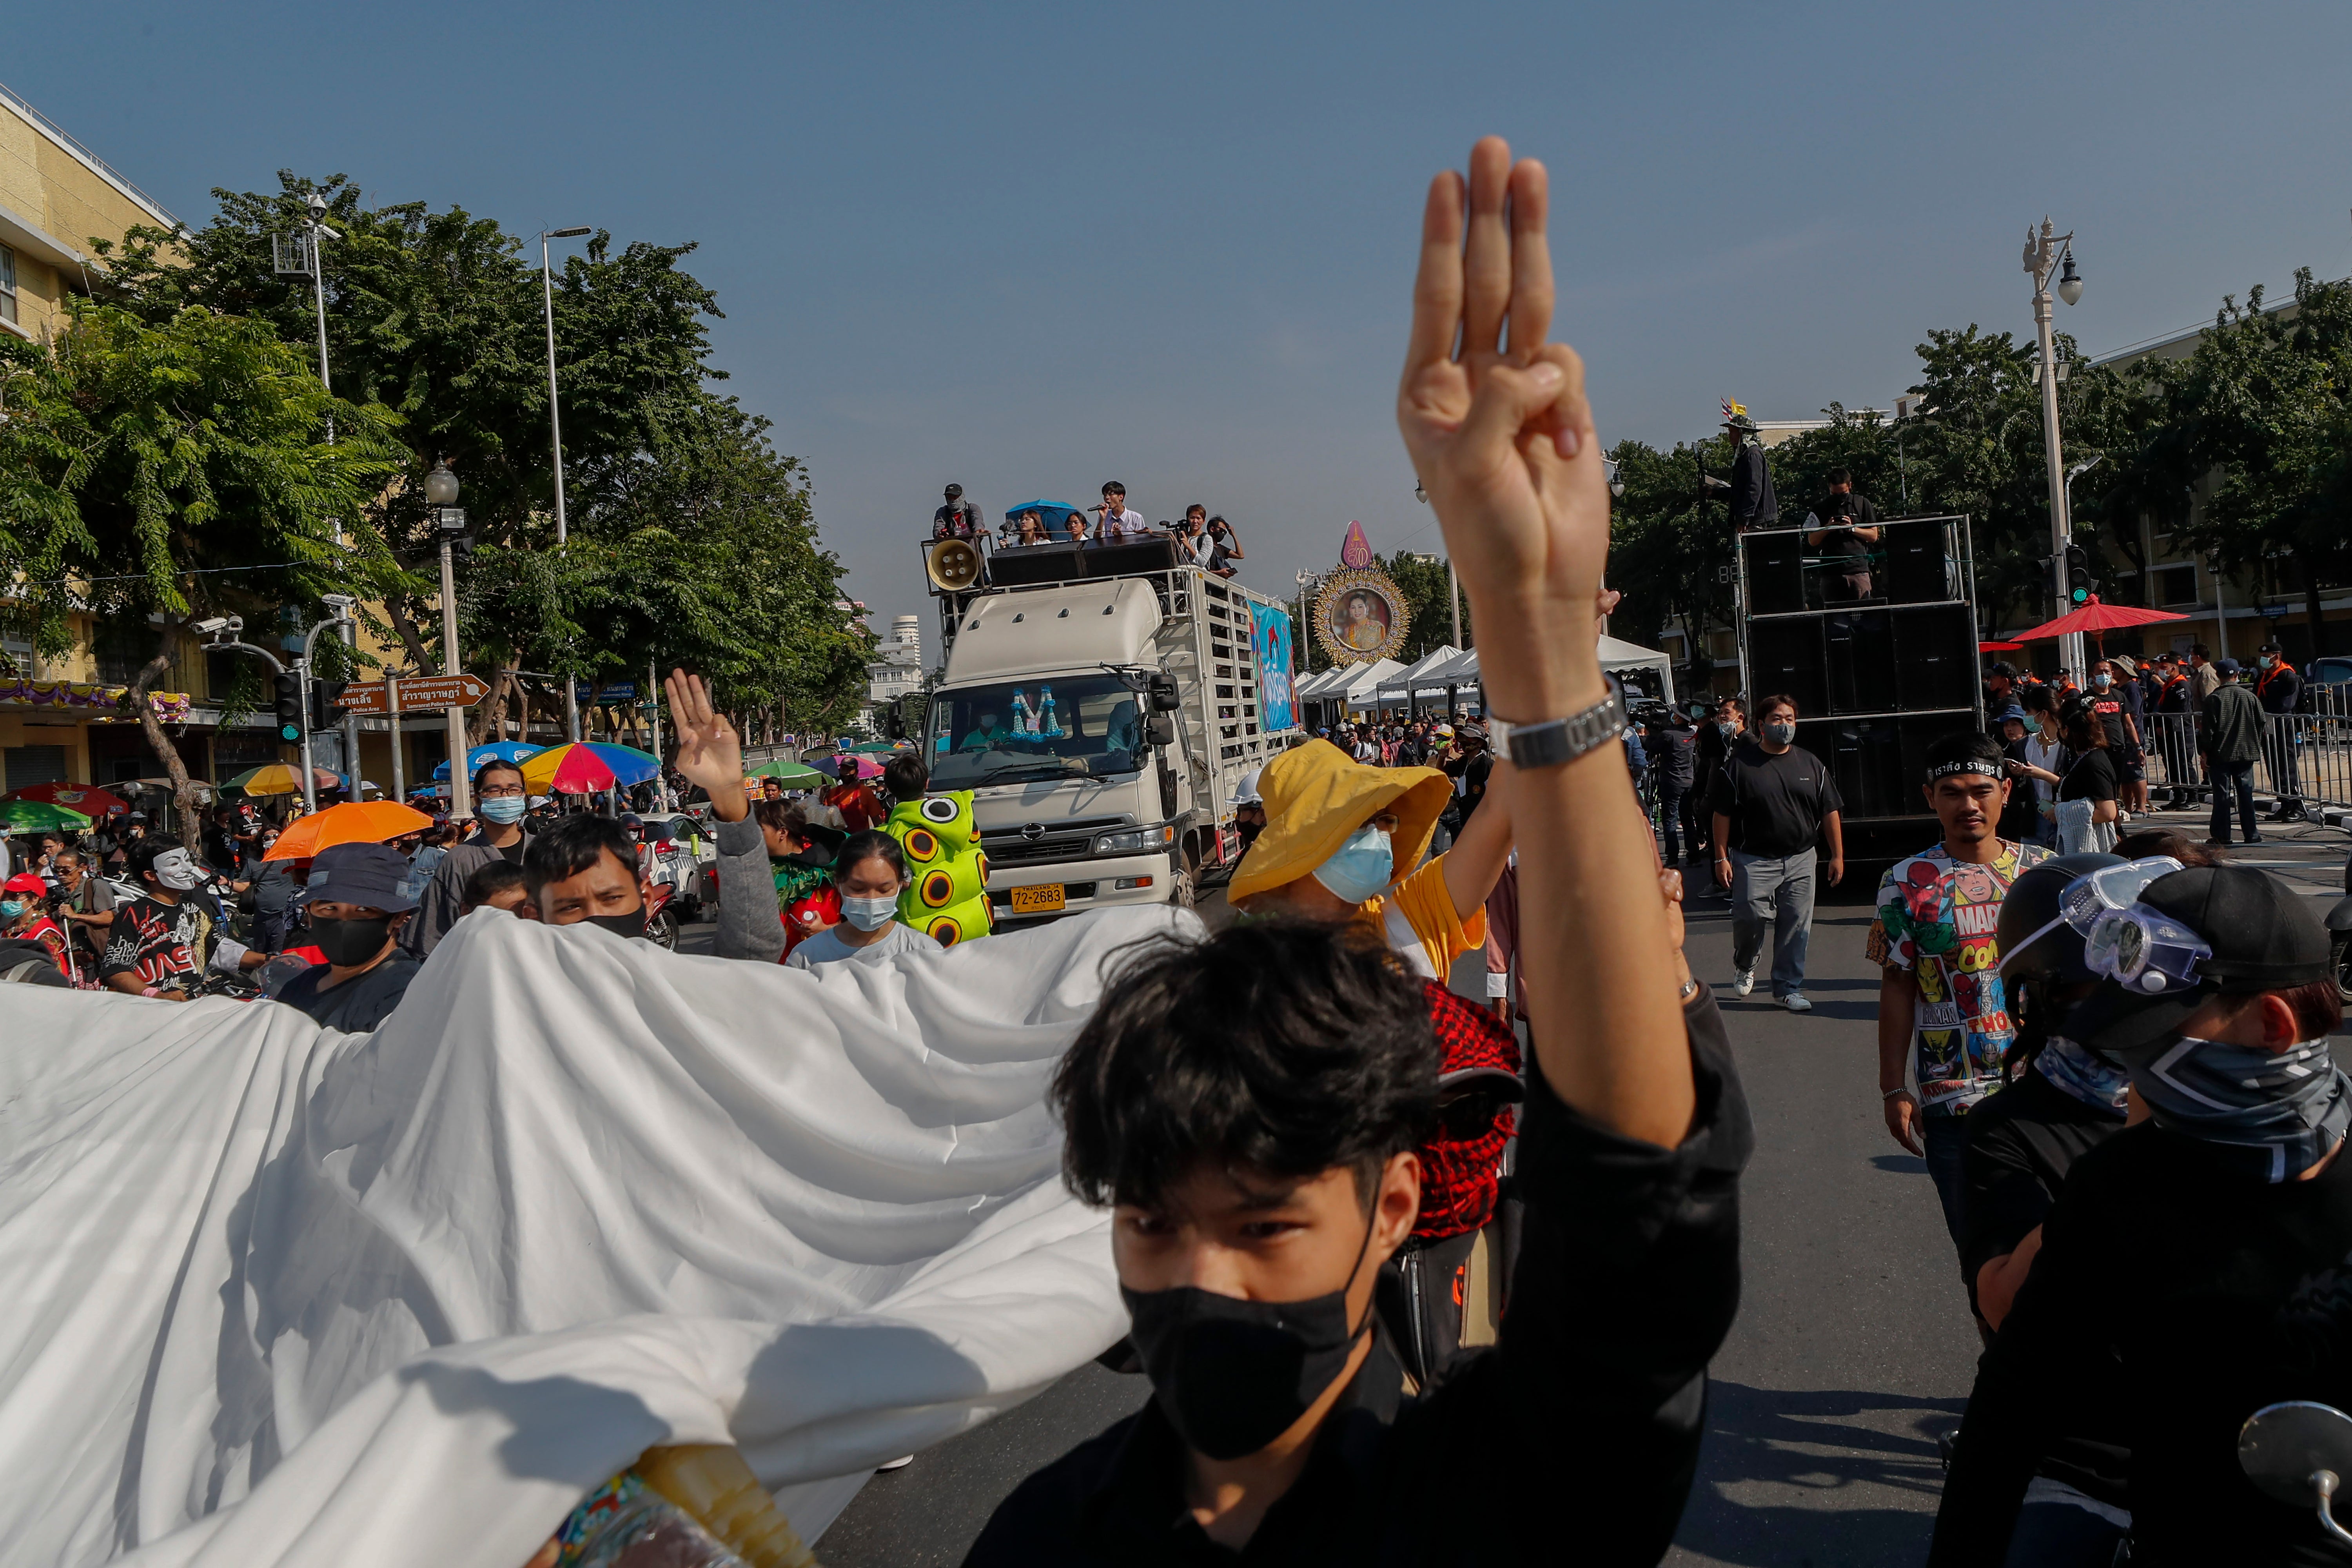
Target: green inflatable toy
{"points": [[946, 887]]}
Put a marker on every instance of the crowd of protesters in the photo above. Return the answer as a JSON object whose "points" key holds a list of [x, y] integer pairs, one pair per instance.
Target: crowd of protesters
{"points": [[2114, 1060]]}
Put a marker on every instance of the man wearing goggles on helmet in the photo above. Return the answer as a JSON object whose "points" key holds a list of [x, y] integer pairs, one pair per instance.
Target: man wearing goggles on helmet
{"points": [[2187, 1269]]}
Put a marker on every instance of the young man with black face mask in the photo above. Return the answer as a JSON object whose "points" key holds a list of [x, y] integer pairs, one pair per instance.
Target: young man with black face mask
{"points": [[355, 907], [2194, 1267], [1251, 1104], [501, 801], [584, 870]]}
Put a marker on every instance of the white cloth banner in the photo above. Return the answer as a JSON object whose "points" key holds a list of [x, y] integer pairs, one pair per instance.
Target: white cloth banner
{"points": [[276, 1295]]}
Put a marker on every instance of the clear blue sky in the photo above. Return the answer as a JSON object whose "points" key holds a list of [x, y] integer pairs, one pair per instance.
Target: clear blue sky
{"points": [[1032, 247]]}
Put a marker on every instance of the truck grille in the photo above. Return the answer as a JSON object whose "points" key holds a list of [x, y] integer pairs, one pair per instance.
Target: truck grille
{"points": [[1019, 851]]}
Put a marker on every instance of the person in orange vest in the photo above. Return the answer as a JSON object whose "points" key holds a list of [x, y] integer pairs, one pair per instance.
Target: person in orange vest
{"points": [[2278, 688], [2173, 699]]}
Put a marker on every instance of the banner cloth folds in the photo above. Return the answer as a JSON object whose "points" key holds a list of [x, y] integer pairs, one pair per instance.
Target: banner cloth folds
{"points": [[279, 1295]]}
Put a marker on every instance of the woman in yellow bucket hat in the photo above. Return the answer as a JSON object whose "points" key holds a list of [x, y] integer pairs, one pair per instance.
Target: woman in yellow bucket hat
{"points": [[1344, 841]]}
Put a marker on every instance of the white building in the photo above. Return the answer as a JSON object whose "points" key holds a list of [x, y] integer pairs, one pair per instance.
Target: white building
{"points": [[898, 668]]}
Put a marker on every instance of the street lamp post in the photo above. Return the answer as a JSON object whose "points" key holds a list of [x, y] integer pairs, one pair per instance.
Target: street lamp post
{"points": [[320, 231], [441, 494], [555, 436], [341, 603], [2043, 254]]}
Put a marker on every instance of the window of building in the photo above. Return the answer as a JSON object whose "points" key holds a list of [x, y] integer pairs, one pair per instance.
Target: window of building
{"points": [[8, 284], [25, 766], [2176, 584], [122, 650]]}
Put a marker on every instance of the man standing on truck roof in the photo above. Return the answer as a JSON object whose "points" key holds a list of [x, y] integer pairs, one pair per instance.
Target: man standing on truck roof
{"points": [[959, 519], [1119, 523]]}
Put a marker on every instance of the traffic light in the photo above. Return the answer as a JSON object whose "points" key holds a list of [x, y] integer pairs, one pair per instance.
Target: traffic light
{"points": [[2080, 586], [289, 693], [324, 695]]}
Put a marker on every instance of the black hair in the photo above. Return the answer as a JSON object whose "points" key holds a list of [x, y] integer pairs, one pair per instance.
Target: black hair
{"points": [[496, 765], [869, 845], [906, 777], [1777, 699], [572, 845], [2200, 650], [1840, 477], [141, 856], [2142, 843], [2084, 731], [1274, 1049], [1111, 485], [784, 817], [1965, 746], [488, 881]]}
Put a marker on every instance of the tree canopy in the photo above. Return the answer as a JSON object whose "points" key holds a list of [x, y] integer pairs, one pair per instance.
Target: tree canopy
{"points": [[690, 539]]}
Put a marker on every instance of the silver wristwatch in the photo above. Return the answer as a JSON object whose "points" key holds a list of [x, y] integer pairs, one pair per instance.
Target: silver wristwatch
{"points": [[1558, 740]]}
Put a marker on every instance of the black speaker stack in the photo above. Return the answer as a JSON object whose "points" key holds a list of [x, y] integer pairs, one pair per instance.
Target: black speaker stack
{"points": [[1878, 678]]}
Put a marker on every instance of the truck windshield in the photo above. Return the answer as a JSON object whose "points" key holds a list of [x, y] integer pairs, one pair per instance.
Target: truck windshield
{"points": [[1081, 726]]}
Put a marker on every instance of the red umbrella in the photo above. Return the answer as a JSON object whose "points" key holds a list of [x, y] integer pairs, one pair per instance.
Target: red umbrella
{"points": [[2000, 647], [88, 799], [2096, 617]]}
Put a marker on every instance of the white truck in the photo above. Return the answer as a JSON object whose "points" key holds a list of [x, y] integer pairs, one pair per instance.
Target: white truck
{"points": [[1103, 705]]}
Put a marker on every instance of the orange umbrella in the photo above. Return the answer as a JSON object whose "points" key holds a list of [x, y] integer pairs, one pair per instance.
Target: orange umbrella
{"points": [[355, 822]]}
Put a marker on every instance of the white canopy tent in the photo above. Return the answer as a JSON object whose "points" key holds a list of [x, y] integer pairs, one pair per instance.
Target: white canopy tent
{"points": [[1362, 690], [1413, 681]]}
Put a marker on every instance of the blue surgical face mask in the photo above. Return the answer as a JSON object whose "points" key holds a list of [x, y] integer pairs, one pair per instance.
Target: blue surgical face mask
{"points": [[1362, 868], [11, 909], [869, 914], [502, 809]]}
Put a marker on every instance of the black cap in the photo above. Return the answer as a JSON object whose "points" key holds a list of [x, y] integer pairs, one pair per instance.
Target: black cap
{"points": [[368, 873], [2226, 666], [2003, 667], [955, 492], [2264, 937]]}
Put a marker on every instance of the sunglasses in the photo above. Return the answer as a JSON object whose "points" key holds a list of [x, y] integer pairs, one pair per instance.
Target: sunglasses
{"points": [[1386, 821]]}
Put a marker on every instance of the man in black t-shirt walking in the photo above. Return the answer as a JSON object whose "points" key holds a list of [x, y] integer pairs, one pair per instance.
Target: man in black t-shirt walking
{"points": [[1771, 804]]}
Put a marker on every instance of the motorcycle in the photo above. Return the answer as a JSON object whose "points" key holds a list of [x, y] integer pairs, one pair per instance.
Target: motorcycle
{"points": [[661, 917], [674, 861], [2299, 1452]]}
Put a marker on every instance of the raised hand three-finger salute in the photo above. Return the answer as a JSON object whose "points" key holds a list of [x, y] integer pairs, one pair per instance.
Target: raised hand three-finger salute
{"points": [[1503, 442]]}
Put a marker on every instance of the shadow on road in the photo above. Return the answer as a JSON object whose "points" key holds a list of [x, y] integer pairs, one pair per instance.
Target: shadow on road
{"points": [[1814, 1480]]}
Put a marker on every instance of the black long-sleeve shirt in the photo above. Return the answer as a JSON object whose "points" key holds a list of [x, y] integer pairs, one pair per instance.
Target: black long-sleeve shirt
{"points": [[2177, 1296], [1753, 502], [1574, 1437]]}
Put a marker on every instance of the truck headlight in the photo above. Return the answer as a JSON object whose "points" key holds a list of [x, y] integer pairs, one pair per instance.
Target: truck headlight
{"points": [[1135, 841]]}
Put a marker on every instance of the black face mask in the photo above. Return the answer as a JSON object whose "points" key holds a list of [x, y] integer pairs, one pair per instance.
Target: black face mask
{"points": [[1231, 1375], [630, 924], [347, 942]]}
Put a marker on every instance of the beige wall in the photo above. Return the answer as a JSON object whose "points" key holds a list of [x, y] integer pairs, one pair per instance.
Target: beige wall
{"points": [[56, 191]]}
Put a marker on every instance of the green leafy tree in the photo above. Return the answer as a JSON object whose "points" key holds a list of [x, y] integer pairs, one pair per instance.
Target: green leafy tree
{"points": [[438, 316], [152, 475], [1671, 548], [1428, 596], [2265, 403]]}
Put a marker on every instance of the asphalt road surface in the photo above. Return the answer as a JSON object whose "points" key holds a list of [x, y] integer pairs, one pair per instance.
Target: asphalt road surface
{"points": [[1853, 1351]]}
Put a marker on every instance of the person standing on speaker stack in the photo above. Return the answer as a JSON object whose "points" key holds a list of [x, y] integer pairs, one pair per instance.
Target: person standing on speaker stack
{"points": [[1753, 502], [1773, 801], [1841, 526]]}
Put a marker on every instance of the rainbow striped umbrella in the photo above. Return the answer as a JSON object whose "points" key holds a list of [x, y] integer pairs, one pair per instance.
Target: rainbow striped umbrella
{"points": [[583, 767]]}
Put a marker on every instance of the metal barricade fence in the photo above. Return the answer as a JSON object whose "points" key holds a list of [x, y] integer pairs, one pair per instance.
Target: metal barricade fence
{"points": [[2306, 757]]}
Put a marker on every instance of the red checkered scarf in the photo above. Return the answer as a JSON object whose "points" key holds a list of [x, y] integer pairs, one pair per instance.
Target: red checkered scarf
{"points": [[1458, 1175]]}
